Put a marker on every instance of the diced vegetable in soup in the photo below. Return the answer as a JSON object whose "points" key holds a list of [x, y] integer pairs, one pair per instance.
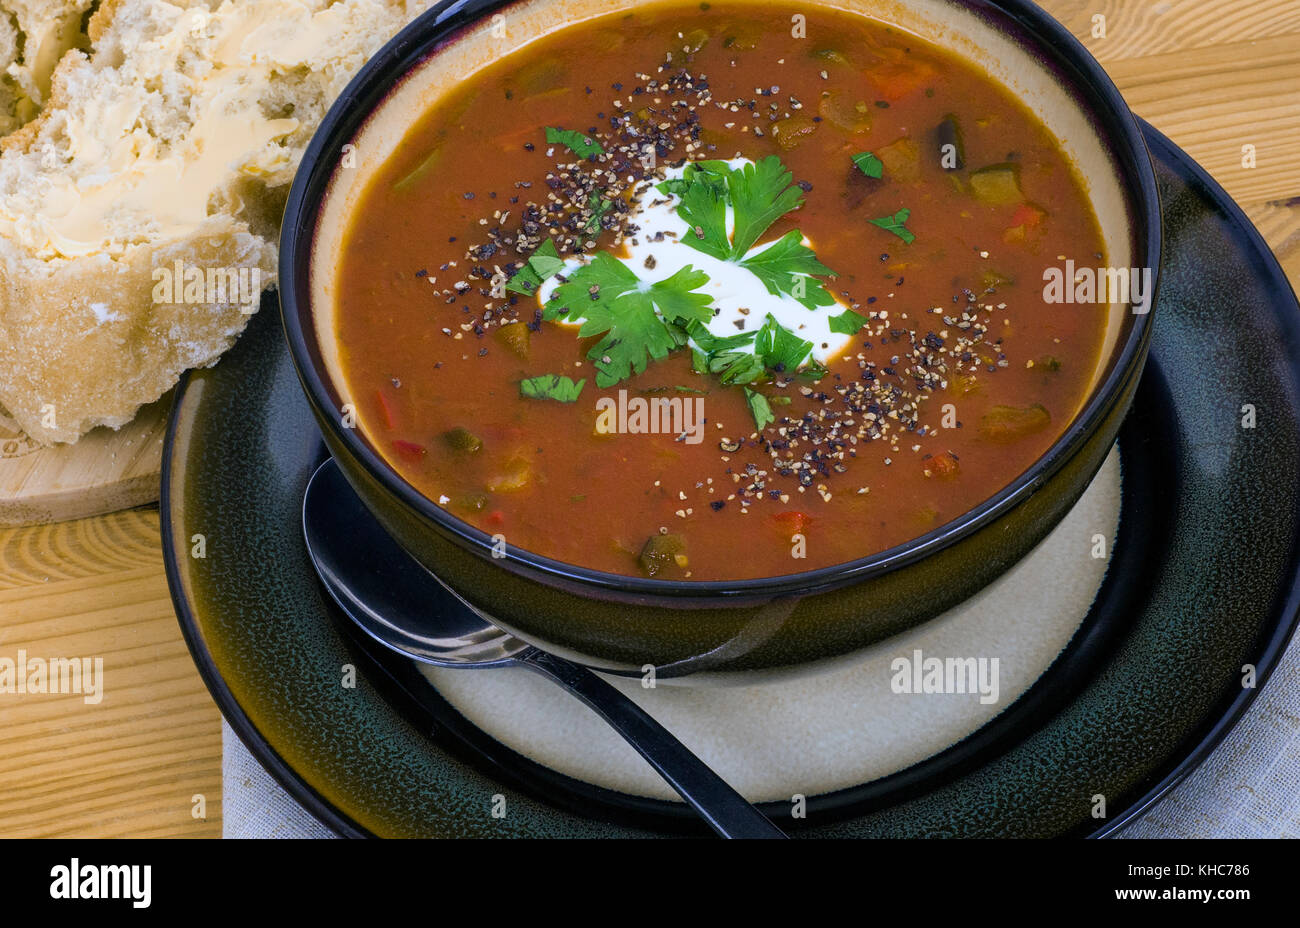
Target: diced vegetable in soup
{"points": [[676, 294]]}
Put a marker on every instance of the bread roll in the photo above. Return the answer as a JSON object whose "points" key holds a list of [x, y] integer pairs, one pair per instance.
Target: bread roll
{"points": [[139, 210]]}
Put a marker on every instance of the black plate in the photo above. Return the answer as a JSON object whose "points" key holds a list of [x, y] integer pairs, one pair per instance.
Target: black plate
{"points": [[1202, 582]]}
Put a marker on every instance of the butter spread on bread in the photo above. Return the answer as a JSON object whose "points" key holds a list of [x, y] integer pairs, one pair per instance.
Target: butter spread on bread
{"points": [[169, 143]]}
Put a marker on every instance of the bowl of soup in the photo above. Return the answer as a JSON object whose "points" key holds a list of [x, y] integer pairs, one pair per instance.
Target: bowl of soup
{"points": [[721, 336]]}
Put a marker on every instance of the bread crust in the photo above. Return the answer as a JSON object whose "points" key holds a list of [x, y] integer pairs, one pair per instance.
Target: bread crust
{"points": [[174, 139]]}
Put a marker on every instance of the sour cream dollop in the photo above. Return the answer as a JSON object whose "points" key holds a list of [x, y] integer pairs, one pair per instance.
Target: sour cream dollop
{"points": [[741, 301]]}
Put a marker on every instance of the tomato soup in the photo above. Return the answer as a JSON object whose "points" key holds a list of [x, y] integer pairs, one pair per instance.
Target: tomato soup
{"points": [[694, 294]]}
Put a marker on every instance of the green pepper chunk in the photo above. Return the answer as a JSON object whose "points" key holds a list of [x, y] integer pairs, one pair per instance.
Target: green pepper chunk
{"points": [[997, 185], [461, 439], [662, 552]]}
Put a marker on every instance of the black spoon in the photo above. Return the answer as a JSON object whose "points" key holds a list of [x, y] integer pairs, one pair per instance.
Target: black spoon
{"points": [[403, 606]]}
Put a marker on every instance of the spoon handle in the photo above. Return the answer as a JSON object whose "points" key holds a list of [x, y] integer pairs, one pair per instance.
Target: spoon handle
{"points": [[725, 810]]}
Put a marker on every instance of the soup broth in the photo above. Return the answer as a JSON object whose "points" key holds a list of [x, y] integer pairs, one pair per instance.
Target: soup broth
{"points": [[683, 294]]}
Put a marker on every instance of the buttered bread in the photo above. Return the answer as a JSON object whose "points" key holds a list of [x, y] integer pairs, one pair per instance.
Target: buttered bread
{"points": [[139, 210]]}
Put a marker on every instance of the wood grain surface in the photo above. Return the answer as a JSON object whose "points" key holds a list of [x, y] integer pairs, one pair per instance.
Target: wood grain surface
{"points": [[133, 763], [106, 471], [1215, 75]]}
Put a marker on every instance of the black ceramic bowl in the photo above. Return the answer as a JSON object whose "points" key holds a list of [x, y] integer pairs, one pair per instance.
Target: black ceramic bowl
{"points": [[624, 623]]}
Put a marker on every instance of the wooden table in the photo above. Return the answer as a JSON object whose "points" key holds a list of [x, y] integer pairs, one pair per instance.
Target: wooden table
{"points": [[1214, 75]]}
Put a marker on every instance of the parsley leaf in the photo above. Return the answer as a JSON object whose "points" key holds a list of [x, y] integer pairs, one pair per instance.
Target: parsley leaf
{"points": [[709, 171], [600, 282], [674, 186], [551, 387], [599, 206], [759, 409], [677, 300], [610, 300], [760, 194], [541, 265], [576, 142], [713, 343], [712, 174], [869, 164], [895, 224], [721, 355], [846, 323], [774, 348], [734, 367], [813, 371], [779, 348], [785, 267], [703, 208]]}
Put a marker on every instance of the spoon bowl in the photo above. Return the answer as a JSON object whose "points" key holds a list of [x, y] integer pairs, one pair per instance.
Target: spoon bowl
{"points": [[375, 582]]}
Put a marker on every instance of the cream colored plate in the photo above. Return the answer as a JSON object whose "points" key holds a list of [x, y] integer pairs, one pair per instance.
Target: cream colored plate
{"points": [[772, 739]]}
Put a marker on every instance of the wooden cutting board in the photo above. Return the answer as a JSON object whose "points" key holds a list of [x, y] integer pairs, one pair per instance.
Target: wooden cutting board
{"points": [[105, 471]]}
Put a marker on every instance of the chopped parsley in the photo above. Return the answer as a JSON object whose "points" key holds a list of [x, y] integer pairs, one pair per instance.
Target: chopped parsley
{"points": [[541, 265], [895, 224], [709, 342], [780, 349], [813, 371], [759, 409], [704, 211], [576, 142], [750, 357], [846, 323], [869, 164], [784, 268], [759, 194], [733, 367], [638, 321], [723, 355], [599, 206], [551, 387], [707, 173]]}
